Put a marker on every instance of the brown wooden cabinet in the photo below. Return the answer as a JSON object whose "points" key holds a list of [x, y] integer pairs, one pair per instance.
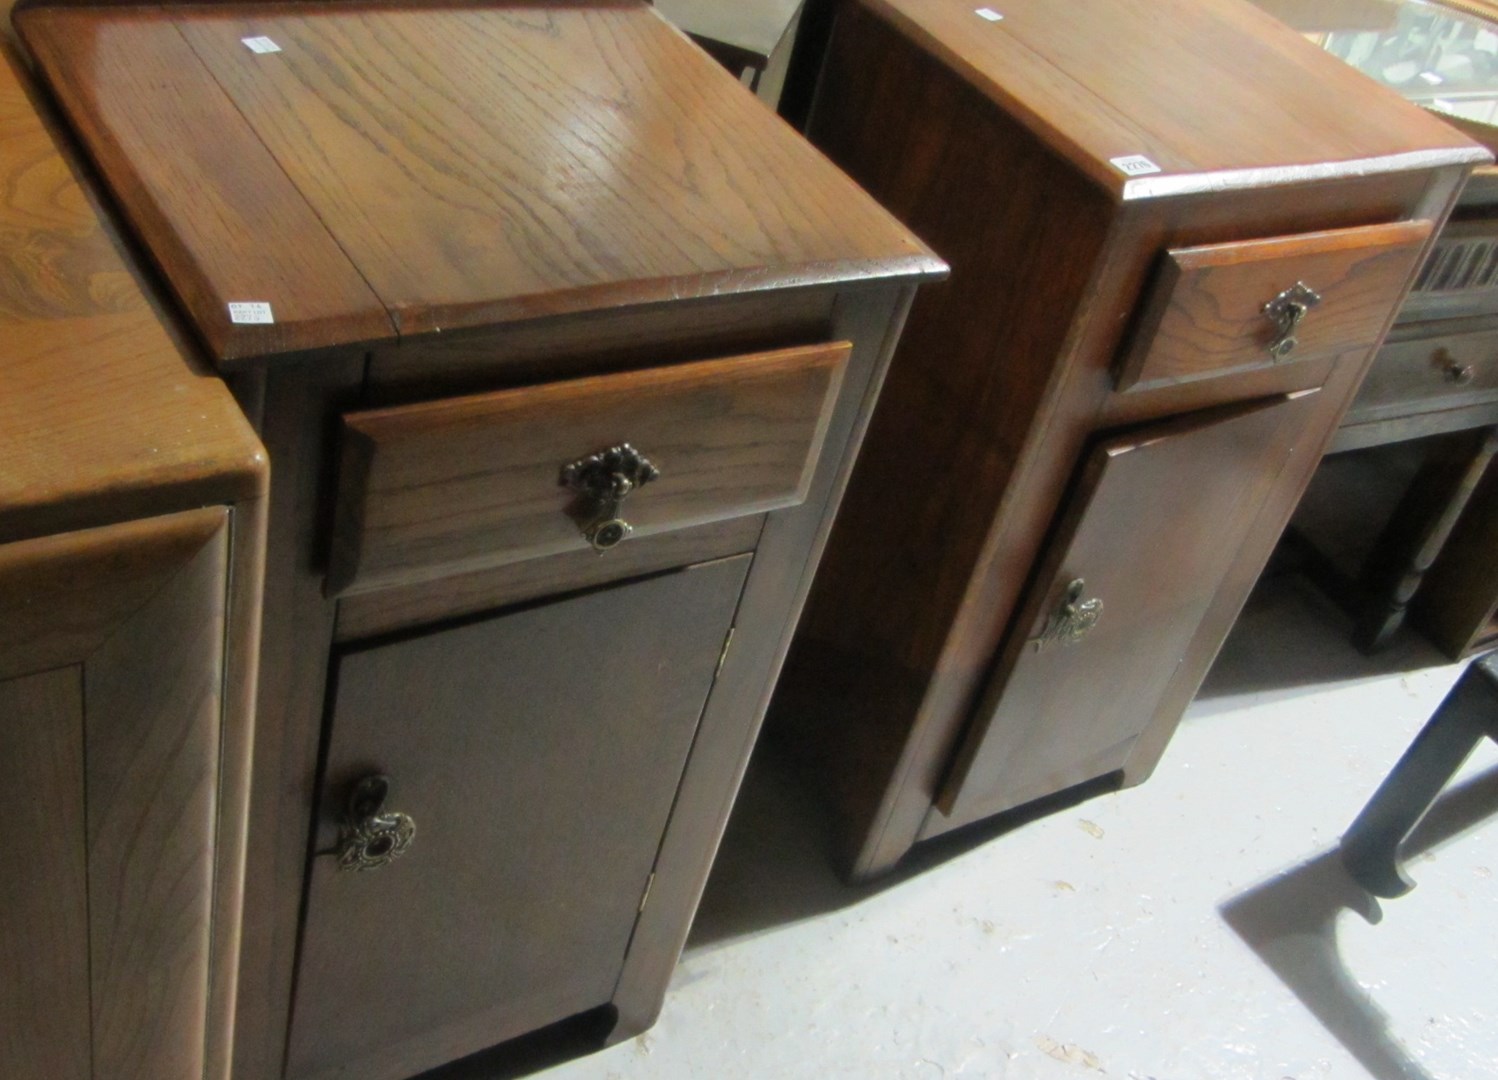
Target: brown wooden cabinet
{"points": [[131, 540], [1172, 258], [561, 346]]}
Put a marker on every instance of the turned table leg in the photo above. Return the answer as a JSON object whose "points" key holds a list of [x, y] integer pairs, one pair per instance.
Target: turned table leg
{"points": [[1417, 533], [1370, 848]]}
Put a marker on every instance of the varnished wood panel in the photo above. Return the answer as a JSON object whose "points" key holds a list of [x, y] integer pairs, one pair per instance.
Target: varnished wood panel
{"points": [[417, 175], [142, 813], [1154, 524], [1087, 78], [1205, 314], [153, 697], [565, 347], [1004, 391], [219, 215], [362, 615], [539, 754], [785, 562], [1443, 371], [100, 404], [461, 483], [44, 996]]}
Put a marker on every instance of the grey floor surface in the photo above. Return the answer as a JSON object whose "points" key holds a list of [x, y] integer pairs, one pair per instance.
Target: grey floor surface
{"points": [[1198, 926]]}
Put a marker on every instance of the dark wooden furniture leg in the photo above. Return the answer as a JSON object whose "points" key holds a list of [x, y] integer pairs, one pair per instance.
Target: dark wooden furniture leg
{"points": [[1370, 847], [1416, 534]]}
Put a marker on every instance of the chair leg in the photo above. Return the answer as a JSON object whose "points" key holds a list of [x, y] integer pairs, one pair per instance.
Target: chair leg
{"points": [[1370, 848]]}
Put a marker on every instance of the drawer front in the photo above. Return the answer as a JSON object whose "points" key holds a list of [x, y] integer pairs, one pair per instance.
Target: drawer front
{"points": [[1446, 372], [535, 756], [457, 485], [1218, 309]]}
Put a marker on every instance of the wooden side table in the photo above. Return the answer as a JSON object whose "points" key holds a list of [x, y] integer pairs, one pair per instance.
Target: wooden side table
{"points": [[561, 346], [1097, 430]]}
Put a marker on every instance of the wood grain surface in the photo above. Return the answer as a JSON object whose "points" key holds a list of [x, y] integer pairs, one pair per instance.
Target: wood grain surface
{"points": [[382, 611], [101, 405], [123, 741], [461, 483], [1155, 521], [1004, 377], [1432, 367], [644, 173], [44, 1006], [539, 754], [1205, 316], [1086, 78]]}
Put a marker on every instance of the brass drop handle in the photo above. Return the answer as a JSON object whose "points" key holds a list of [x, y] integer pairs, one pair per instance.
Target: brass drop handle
{"points": [[372, 838], [1455, 371], [603, 480], [1073, 619], [1286, 311]]}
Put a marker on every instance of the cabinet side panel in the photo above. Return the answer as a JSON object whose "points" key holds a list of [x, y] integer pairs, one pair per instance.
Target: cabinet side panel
{"points": [[44, 1023], [968, 386], [153, 702]]}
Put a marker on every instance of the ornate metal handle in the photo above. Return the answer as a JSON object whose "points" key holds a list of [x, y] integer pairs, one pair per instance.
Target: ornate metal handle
{"points": [[1072, 620], [605, 479], [1286, 312], [372, 839]]}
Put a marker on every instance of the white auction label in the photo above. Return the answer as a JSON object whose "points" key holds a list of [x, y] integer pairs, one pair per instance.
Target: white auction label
{"points": [[260, 45], [1135, 165], [988, 13], [250, 311]]}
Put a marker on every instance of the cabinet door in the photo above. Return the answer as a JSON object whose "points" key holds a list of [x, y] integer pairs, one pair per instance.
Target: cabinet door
{"points": [[537, 754], [111, 665], [1154, 524]]}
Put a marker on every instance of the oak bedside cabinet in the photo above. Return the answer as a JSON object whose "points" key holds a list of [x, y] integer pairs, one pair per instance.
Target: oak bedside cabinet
{"points": [[561, 345], [131, 551], [1172, 258]]}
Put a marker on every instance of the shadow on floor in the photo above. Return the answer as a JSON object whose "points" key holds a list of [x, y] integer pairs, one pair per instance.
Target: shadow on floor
{"points": [[1272, 654], [1290, 921], [774, 867]]}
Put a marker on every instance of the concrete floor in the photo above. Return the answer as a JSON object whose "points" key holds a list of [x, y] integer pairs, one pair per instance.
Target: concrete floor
{"points": [[1198, 926]]}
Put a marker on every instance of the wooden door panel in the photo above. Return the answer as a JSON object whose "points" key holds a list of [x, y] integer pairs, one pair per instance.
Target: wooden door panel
{"points": [[1155, 523], [538, 754], [118, 753], [43, 899]]}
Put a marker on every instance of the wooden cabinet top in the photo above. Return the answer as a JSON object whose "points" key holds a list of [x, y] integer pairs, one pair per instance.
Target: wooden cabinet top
{"points": [[362, 173], [1213, 94], [103, 413]]}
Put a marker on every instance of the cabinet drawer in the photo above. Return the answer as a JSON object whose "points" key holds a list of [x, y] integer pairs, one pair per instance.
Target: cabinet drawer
{"points": [[1444, 372], [1208, 311], [437, 488]]}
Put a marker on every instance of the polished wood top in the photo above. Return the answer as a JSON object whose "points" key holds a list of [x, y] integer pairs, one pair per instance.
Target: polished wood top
{"points": [[1216, 93], [103, 414], [404, 169]]}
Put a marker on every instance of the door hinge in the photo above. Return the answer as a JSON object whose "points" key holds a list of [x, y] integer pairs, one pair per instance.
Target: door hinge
{"points": [[722, 656], [648, 883]]}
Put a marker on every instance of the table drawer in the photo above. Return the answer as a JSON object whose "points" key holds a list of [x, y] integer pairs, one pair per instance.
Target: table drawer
{"points": [[1212, 309], [441, 487], [1445, 372]]}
